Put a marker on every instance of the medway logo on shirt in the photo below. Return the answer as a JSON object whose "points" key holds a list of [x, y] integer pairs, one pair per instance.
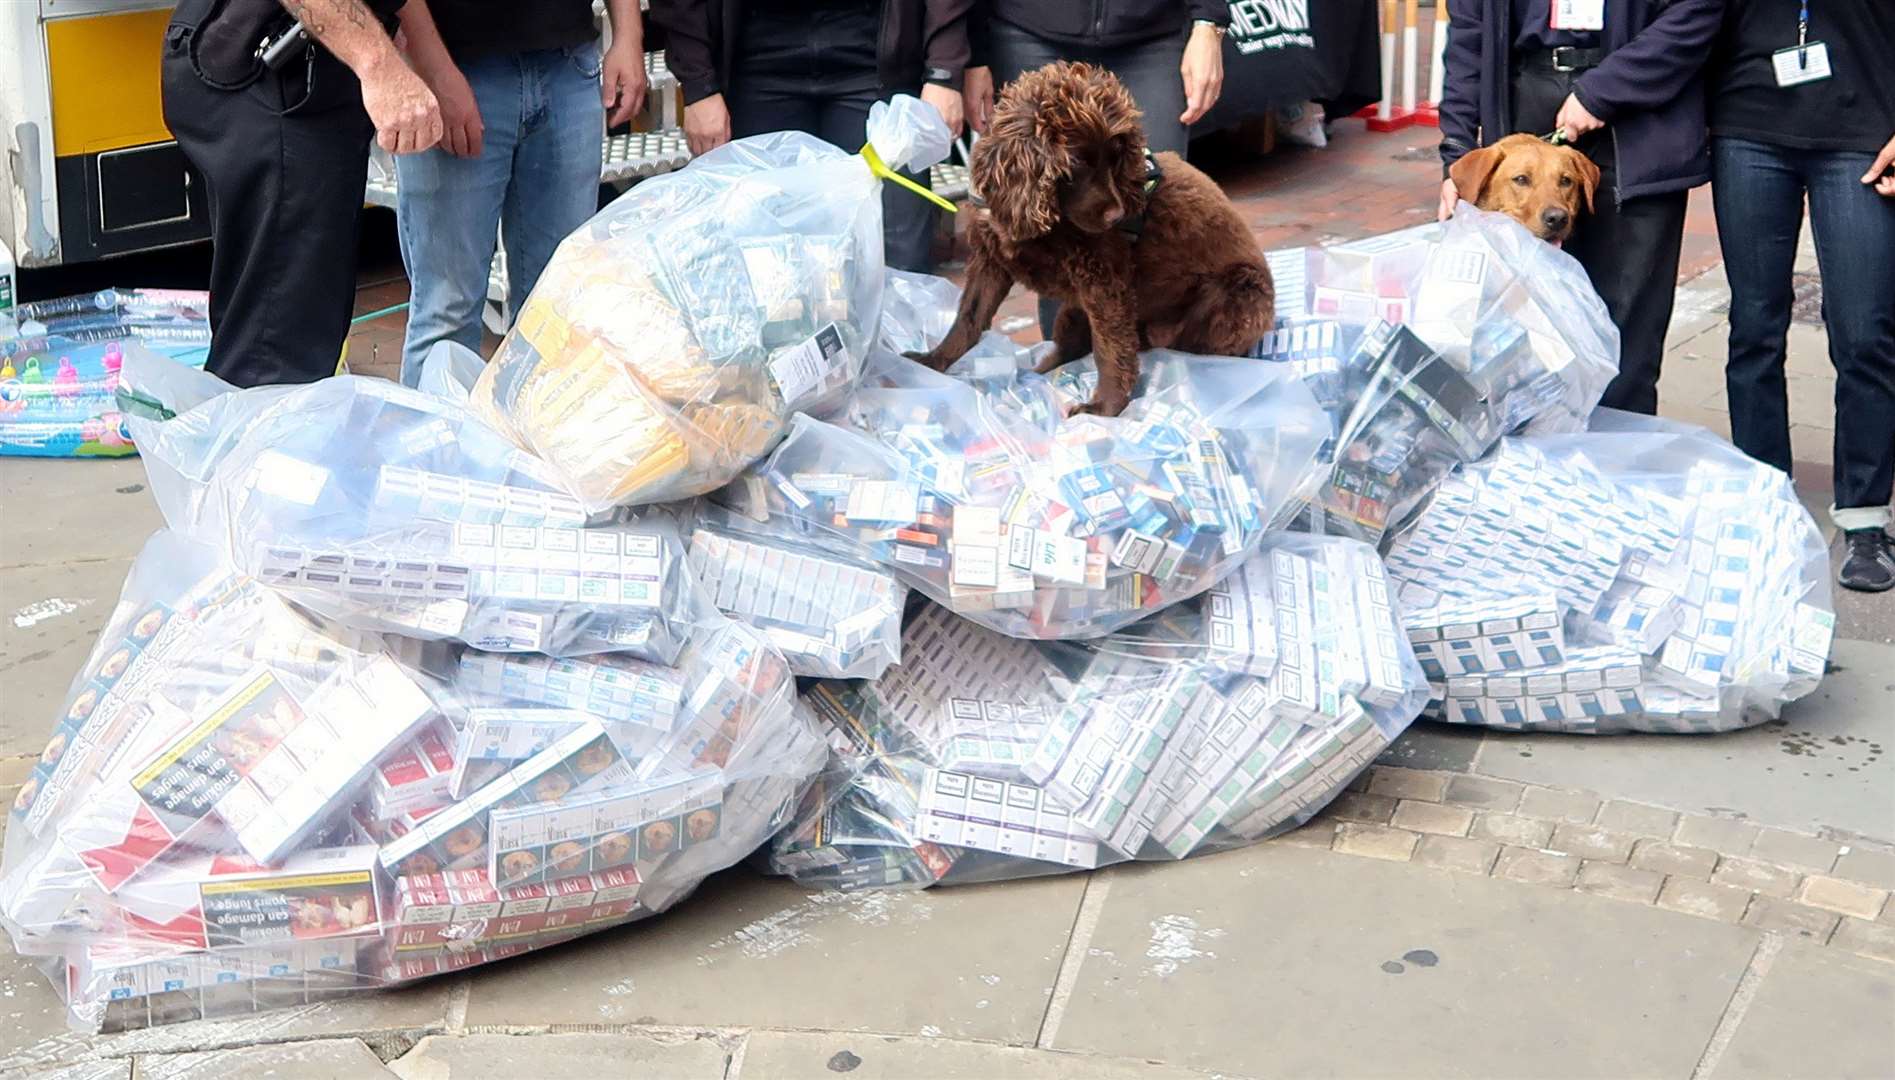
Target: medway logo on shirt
{"points": [[1256, 25]]}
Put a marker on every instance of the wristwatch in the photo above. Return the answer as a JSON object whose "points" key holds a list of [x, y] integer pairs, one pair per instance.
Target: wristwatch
{"points": [[1217, 28]]}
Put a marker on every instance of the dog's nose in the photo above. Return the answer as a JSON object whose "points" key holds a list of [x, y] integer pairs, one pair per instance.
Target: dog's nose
{"points": [[1554, 218]]}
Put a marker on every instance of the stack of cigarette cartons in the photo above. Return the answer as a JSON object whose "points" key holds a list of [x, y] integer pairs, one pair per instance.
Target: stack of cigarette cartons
{"points": [[1011, 757], [1541, 594]]}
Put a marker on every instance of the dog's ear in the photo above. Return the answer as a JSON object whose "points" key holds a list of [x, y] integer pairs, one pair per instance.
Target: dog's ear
{"points": [[1017, 169], [1588, 177], [1472, 172]]}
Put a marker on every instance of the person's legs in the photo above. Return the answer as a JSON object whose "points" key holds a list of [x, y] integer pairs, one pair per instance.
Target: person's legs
{"points": [[286, 170], [1758, 196], [776, 86], [1855, 251], [555, 186], [447, 212], [1630, 253], [1151, 71]]}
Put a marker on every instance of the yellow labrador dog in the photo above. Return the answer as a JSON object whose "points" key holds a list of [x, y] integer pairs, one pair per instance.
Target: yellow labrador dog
{"points": [[1532, 181]]}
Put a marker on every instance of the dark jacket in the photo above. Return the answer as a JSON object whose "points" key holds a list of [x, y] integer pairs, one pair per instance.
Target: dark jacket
{"points": [[922, 41], [1103, 23], [1649, 90]]}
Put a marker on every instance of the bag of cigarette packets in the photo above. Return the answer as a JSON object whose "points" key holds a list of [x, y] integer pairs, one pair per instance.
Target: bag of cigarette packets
{"points": [[672, 336], [392, 510], [975, 489], [1209, 725], [832, 613], [1428, 345], [240, 808], [1645, 576]]}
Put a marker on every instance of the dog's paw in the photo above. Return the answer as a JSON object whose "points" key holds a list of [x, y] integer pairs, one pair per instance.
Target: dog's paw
{"points": [[928, 360], [1103, 404]]}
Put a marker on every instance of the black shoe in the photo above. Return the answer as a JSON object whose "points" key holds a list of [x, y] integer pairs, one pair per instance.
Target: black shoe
{"points": [[1869, 565]]}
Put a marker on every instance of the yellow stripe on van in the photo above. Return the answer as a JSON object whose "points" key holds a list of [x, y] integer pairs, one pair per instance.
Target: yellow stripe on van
{"points": [[103, 71]]}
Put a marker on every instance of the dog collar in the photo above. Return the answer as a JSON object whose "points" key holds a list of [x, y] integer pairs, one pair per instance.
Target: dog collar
{"points": [[1134, 225]]}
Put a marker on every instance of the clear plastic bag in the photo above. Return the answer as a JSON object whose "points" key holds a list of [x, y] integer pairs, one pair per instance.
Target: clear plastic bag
{"points": [[1208, 726], [975, 489], [1645, 576], [392, 510], [242, 809], [210, 719], [449, 371], [831, 613], [917, 311], [672, 336], [1428, 345], [59, 376]]}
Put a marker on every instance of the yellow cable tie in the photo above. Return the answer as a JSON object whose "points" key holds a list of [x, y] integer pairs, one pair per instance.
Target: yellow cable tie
{"points": [[880, 169]]}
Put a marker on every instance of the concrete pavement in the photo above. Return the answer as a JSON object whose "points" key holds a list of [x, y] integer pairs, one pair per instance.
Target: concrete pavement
{"points": [[1482, 905]]}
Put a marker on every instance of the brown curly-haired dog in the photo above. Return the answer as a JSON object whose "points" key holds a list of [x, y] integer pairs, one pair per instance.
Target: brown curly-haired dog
{"points": [[1071, 215]]}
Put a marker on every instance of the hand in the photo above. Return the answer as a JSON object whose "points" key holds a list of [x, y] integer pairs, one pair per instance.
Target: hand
{"points": [[1574, 121], [1203, 71], [977, 97], [462, 131], [706, 124], [406, 115], [947, 102], [1880, 176], [1450, 198], [622, 81]]}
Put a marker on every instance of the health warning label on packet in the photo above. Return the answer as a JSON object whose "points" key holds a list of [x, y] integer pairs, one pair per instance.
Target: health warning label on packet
{"points": [[186, 780], [814, 367], [292, 907]]}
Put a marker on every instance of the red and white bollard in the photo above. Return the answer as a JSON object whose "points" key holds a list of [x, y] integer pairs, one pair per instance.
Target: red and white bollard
{"points": [[1428, 112], [1393, 113], [1388, 115]]}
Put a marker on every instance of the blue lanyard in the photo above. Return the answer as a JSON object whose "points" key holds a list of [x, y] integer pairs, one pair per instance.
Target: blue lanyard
{"points": [[1802, 36]]}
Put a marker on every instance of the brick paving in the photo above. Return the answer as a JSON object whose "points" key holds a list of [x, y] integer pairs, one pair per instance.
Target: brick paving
{"points": [[1813, 887]]}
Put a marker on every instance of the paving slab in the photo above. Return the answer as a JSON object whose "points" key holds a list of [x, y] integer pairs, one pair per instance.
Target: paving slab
{"points": [[969, 962], [1826, 764], [109, 1069], [790, 1055], [34, 1034], [1446, 747], [61, 510], [594, 1055], [1819, 1013], [1291, 962], [317, 1059], [50, 617]]}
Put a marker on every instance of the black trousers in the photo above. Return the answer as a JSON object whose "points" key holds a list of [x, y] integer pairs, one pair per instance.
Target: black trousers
{"points": [[1629, 250], [814, 70], [285, 159]]}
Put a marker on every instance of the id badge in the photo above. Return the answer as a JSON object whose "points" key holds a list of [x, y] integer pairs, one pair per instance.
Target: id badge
{"points": [[1577, 15], [1797, 65]]}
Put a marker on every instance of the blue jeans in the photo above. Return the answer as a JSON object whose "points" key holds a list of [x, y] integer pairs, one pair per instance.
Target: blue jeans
{"points": [[1758, 190], [536, 179]]}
